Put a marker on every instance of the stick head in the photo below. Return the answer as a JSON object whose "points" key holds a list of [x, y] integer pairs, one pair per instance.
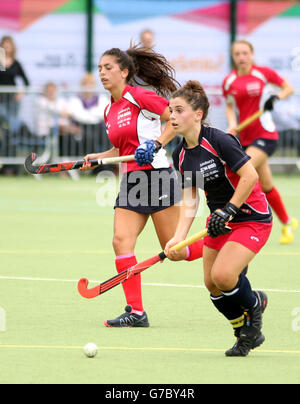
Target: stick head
{"points": [[83, 290], [29, 167]]}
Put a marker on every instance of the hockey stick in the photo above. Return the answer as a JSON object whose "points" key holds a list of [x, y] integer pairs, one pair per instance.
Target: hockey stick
{"points": [[128, 273], [69, 165], [249, 120]]}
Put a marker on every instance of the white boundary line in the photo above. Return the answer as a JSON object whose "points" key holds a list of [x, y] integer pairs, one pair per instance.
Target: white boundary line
{"points": [[170, 285]]}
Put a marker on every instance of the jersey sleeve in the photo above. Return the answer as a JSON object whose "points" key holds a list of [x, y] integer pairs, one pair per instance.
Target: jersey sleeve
{"points": [[272, 76], [150, 101], [224, 91], [231, 151], [185, 181]]}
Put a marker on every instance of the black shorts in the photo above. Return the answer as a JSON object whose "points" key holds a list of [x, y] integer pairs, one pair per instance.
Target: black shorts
{"points": [[149, 191], [266, 145]]}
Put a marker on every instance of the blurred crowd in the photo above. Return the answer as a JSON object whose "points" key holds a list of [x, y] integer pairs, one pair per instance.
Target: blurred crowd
{"points": [[77, 119]]}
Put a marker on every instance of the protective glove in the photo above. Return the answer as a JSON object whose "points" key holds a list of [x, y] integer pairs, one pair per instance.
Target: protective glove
{"points": [[269, 104], [217, 225], [144, 154]]}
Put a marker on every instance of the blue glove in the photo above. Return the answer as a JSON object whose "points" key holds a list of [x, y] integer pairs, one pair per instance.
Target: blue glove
{"points": [[144, 154]]}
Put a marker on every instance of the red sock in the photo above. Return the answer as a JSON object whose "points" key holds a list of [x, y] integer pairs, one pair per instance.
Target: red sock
{"points": [[132, 287], [195, 250], [277, 205]]}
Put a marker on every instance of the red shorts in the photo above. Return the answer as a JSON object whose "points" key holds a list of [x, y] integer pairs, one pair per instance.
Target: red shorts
{"points": [[252, 235]]}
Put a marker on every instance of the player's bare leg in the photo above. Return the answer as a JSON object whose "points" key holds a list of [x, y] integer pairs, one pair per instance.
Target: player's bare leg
{"points": [[165, 222], [127, 227]]}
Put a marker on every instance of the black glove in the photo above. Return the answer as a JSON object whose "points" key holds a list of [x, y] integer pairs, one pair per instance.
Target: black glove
{"points": [[269, 104], [217, 225]]}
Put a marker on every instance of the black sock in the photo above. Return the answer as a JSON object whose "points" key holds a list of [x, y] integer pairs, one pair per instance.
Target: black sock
{"points": [[230, 310], [242, 294]]}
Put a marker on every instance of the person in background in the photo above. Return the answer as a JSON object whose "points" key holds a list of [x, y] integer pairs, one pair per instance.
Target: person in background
{"points": [[9, 102], [52, 113], [246, 89], [10, 123], [87, 111], [147, 38]]}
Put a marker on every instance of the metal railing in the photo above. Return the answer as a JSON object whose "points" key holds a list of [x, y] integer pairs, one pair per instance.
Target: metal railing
{"points": [[28, 124]]}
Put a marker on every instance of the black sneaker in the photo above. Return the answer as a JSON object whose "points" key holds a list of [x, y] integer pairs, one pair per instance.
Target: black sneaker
{"points": [[244, 345], [128, 319], [255, 316], [250, 335]]}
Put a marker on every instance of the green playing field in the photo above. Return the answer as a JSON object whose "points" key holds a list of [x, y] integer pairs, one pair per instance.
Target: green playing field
{"points": [[54, 233]]}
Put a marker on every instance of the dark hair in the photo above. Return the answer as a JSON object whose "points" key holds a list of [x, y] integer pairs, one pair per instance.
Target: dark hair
{"points": [[194, 94], [146, 67]]}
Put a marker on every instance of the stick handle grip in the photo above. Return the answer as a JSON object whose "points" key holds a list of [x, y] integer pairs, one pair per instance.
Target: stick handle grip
{"points": [[249, 120], [115, 160], [190, 240]]}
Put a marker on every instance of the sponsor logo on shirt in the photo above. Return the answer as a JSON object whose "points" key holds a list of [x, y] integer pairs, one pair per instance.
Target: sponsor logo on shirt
{"points": [[209, 170], [253, 88], [124, 117]]}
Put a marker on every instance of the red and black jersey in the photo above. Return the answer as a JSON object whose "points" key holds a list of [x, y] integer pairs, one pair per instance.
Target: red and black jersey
{"points": [[212, 166], [249, 93], [132, 120]]}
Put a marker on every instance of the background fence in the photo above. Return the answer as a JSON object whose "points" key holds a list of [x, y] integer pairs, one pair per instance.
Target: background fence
{"points": [[56, 130]]}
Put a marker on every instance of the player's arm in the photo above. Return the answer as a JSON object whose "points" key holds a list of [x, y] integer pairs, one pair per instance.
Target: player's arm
{"points": [[248, 179], [231, 118], [188, 209], [145, 152], [285, 90], [113, 152], [218, 222]]}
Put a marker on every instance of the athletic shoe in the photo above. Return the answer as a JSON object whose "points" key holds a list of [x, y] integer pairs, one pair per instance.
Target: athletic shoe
{"points": [[243, 346], [255, 315], [128, 319], [250, 336], [288, 231]]}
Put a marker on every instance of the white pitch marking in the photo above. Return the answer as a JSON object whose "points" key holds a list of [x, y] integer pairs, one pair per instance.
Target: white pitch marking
{"points": [[167, 285]]}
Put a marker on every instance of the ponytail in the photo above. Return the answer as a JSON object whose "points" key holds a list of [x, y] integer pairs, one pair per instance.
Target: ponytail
{"points": [[194, 94], [146, 65]]}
